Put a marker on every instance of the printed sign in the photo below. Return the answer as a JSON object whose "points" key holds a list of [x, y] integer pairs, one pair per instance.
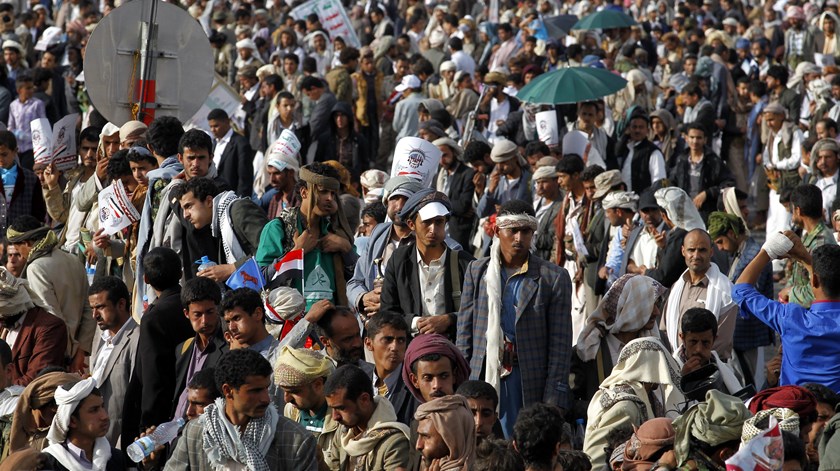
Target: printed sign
{"points": [[57, 145], [333, 18], [547, 127], [115, 209], [416, 158]]}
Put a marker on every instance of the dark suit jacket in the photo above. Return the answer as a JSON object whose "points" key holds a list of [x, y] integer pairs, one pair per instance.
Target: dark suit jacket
{"points": [[714, 175], [183, 353], [405, 404], [236, 166], [41, 342], [401, 291], [164, 326], [461, 190], [585, 377]]}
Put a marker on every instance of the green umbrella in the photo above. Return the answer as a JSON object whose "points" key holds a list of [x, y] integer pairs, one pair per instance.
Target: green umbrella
{"points": [[605, 19], [571, 85]]}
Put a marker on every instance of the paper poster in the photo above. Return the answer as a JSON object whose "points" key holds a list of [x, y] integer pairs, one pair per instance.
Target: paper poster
{"points": [[547, 127], [575, 142], [823, 60], [287, 144], [49, 37], [56, 145], [333, 18], [115, 209], [416, 158], [765, 452], [222, 96]]}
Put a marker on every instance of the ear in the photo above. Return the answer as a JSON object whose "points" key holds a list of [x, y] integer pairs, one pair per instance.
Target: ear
{"points": [[73, 423], [496, 231], [682, 250], [122, 304], [186, 313], [368, 344], [410, 224], [180, 159], [414, 380], [681, 336], [325, 341], [815, 281], [227, 391], [260, 313]]}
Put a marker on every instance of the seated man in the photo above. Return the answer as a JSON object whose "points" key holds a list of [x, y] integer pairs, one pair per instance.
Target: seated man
{"points": [[698, 331], [446, 436], [77, 435], [342, 337], [482, 399], [267, 440]]}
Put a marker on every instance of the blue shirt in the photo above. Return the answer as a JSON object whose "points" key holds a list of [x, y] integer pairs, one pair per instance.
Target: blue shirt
{"points": [[510, 295], [810, 337]]}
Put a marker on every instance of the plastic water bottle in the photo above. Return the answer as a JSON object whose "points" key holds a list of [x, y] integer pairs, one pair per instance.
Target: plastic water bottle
{"points": [[205, 263], [580, 432], [164, 433], [91, 272]]}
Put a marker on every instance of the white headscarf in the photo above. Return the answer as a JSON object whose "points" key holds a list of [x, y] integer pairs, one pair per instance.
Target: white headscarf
{"points": [[679, 208]]}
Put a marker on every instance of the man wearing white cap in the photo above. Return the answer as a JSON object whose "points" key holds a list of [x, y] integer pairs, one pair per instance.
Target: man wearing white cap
{"points": [[77, 434], [620, 209], [406, 117], [282, 174], [446, 88], [13, 55]]}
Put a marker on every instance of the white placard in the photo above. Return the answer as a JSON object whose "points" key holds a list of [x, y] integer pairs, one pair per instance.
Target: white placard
{"points": [[547, 127], [49, 37], [221, 96], [823, 60], [41, 140], [416, 158], [56, 145], [287, 144], [333, 18], [575, 142], [115, 209]]}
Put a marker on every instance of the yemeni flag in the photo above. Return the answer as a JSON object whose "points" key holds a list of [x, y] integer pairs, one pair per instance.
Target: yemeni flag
{"points": [[290, 267]]}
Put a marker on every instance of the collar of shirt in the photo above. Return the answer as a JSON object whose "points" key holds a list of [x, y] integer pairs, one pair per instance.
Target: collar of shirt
{"points": [[115, 339], [79, 455], [825, 305], [264, 344], [390, 380], [687, 277], [226, 138], [437, 263], [18, 323]]}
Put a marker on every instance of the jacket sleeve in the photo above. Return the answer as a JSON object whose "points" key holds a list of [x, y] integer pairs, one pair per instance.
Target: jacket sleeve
{"points": [[57, 202], [306, 457], [157, 371], [393, 452], [271, 243], [462, 205], [357, 285], [50, 345], [559, 325], [245, 164], [88, 194], [390, 298], [464, 329]]}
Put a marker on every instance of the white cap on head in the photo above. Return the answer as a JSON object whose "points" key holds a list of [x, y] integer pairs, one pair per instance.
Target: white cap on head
{"points": [[432, 210]]}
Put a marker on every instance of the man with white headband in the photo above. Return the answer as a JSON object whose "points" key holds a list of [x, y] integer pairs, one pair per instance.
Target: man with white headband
{"points": [[77, 434], [517, 311]]}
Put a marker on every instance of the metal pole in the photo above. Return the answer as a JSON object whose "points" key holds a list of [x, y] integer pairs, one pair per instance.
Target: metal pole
{"points": [[148, 43]]}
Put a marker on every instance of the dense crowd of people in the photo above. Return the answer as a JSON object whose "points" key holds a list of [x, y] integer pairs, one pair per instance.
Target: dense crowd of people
{"points": [[382, 259]]}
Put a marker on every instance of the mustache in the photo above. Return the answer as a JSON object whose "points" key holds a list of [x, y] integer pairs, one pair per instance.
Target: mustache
{"points": [[438, 393]]}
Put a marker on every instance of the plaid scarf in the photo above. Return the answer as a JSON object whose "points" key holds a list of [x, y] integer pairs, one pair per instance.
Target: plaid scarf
{"points": [[222, 441]]}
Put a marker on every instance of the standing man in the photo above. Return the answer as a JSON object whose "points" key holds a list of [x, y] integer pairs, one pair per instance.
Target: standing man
{"points": [[508, 181], [641, 162], [324, 101], [455, 180], [232, 154], [243, 428], [499, 313], [700, 171], [115, 351], [546, 207], [406, 120], [781, 158], [20, 190], [282, 176]]}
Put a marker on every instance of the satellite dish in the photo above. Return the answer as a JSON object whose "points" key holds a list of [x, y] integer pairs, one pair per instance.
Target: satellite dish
{"points": [[148, 59]]}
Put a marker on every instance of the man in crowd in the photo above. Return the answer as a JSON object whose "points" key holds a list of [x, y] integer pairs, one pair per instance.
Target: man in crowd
{"points": [[446, 435], [508, 181], [455, 180], [386, 337], [245, 319], [641, 162], [232, 153], [341, 336], [482, 400], [698, 332], [201, 392], [547, 207]]}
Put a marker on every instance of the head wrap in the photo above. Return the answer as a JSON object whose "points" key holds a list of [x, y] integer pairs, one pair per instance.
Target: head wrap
{"points": [[426, 344], [730, 205], [548, 161], [716, 421], [68, 401], [646, 442], [788, 422], [457, 151], [420, 199], [28, 416], [401, 186], [679, 208], [621, 199], [373, 178], [14, 295], [720, 223], [286, 303], [509, 221], [299, 366], [433, 126], [775, 108], [795, 12], [454, 422], [825, 144], [545, 172], [312, 178], [504, 150], [627, 307], [109, 130], [795, 398], [605, 182], [132, 130]]}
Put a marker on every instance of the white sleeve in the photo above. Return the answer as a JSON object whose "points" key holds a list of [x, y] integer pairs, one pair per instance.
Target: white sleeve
{"points": [[657, 166]]}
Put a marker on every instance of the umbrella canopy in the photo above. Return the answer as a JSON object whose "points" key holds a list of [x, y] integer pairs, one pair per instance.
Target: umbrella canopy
{"points": [[571, 85], [605, 19], [560, 25]]}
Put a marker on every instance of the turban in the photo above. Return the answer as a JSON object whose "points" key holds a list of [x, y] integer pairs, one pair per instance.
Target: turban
{"points": [[795, 398], [825, 144], [344, 177], [428, 202], [504, 150], [621, 199], [544, 172], [300, 366], [14, 295], [716, 421], [109, 130], [453, 420], [795, 12], [788, 422], [605, 182], [720, 223], [547, 161], [435, 127], [427, 344], [332, 184], [132, 130], [775, 108], [286, 303], [679, 208], [373, 178], [28, 417], [401, 186], [646, 442], [68, 401]]}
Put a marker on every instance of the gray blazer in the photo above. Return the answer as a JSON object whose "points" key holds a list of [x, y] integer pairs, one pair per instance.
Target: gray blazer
{"points": [[118, 373]]}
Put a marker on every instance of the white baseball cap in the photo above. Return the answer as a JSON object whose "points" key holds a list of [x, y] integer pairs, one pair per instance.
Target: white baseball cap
{"points": [[432, 210], [409, 81]]}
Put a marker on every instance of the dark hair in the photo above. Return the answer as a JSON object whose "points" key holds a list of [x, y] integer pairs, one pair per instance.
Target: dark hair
{"points": [[692, 88], [794, 448], [570, 164], [348, 54], [90, 134], [385, 319], [164, 136], [284, 95], [162, 268], [422, 67], [535, 147], [574, 460], [23, 79], [474, 389], [352, 380], [326, 321], [201, 188], [94, 392], [828, 122], [590, 172], [823, 394], [40, 76], [826, 264], [292, 57], [505, 27], [244, 298], [118, 165], [236, 366], [695, 126], [139, 154], [697, 320], [217, 114], [309, 66], [318, 168], [115, 288], [496, 455], [615, 438], [26, 223], [7, 140], [757, 88], [476, 150], [376, 210], [310, 82], [275, 81], [5, 354], [456, 44], [779, 72], [537, 432], [513, 207], [195, 139], [808, 198], [200, 289], [430, 357], [205, 379]]}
